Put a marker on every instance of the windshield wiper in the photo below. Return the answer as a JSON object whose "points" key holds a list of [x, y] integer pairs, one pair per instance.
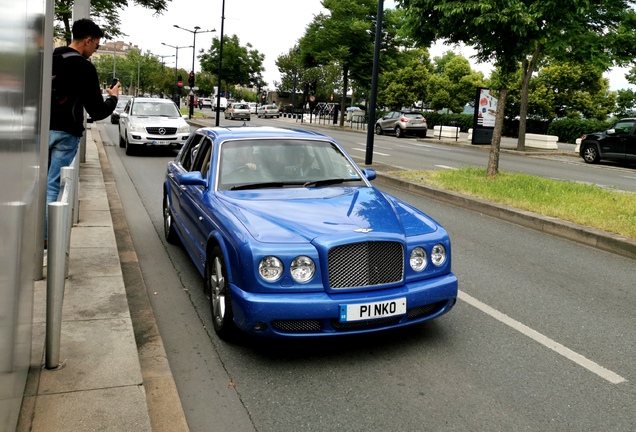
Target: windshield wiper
{"points": [[327, 182], [259, 185]]}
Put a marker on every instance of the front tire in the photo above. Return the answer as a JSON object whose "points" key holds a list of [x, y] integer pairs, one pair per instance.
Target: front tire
{"points": [[169, 230], [218, 286], [590, 154], [129, 149], [378, 129]]}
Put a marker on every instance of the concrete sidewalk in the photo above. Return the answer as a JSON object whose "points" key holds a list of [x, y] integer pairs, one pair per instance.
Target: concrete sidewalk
{"points": [[102, 383]]}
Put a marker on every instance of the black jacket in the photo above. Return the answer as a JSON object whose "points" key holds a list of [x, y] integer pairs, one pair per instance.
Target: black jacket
{"points": [[83, 93]]}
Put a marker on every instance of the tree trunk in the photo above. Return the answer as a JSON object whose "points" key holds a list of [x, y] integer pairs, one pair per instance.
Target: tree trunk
{"points": [[343, 101], [527, 70], [493, 159]]}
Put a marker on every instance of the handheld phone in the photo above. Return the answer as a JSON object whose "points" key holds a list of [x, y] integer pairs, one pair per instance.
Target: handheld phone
{"points": [[114, 82]]}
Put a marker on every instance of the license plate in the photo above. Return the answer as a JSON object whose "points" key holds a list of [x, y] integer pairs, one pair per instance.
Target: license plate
{"points": [[369, 311], [161, 143]]}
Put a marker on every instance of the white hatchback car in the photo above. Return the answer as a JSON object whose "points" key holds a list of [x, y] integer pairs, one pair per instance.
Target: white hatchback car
{"points": [[149, 122], [268, 111]]}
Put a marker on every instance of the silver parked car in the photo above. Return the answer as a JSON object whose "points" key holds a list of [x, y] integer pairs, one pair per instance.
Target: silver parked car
{"points": [[268, 111], [147, 122], [238, 110], [402, 123]]}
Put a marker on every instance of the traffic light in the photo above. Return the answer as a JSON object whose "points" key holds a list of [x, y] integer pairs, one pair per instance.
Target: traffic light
{"points": [[312, 87], [191, 79]]}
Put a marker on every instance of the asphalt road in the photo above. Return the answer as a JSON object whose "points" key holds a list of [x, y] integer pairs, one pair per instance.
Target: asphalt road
{"points": [[542, 337]]}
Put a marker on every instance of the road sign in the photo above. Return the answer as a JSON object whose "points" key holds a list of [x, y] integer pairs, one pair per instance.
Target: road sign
{"points": [[312, 98]]}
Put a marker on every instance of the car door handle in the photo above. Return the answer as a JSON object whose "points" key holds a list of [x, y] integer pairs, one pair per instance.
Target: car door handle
{"points": [[170, 175], [182, 187], [200, 218]]}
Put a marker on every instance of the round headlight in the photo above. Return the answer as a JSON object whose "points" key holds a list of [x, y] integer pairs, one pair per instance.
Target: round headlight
{"points": [[270, 268], [302, 268], [418, 259], [438, 254]]}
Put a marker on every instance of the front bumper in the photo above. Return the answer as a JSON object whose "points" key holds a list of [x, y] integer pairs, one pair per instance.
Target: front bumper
{"points": [[317, 314], [143, 138]]}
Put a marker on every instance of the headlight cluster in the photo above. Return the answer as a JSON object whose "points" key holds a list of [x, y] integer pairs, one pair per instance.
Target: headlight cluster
{"points": [[136, 127], [184, 128], [419, 257], [302, 268]]}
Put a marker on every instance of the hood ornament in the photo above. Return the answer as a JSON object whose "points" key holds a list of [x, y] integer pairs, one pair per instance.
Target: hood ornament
{"points": [[363, 230]]}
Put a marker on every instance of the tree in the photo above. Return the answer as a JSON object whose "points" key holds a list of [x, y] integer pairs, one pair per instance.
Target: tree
{"points": [[341, 38], [453, 83], [241, 65], [403, 87], [104, 11], [512, 33]]}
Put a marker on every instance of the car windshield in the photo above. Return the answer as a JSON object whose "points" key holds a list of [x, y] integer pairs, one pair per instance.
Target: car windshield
{"points": [[152, 108], [254, 164]]}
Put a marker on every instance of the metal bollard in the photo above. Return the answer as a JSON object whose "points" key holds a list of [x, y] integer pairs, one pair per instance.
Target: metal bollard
{"points": [[56, 273]]}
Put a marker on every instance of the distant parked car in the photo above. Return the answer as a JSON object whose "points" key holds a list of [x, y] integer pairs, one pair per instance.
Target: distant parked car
{"points": [[268, 111], [238, 110], [253, 107], [617, 143], [402, 123], [291, 238], [149, 122]]}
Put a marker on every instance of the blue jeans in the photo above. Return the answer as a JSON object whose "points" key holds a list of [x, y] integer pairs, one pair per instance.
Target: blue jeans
{"points": [[62, 149]]}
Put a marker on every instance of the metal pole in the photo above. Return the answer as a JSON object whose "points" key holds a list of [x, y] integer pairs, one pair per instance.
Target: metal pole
{"points": [[218, 90], [58, 217], [374, 84]]}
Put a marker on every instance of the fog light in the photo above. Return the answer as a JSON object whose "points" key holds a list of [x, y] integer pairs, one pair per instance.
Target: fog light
{"points": [[260, 326]]}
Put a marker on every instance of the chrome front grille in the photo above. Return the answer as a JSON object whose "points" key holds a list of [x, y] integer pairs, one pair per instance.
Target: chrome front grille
{"points": [[158, 130], [365, 264]]}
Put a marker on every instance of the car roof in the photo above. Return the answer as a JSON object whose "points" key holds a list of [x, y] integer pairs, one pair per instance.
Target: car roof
{"points": [[243, 132], [147, 99]]}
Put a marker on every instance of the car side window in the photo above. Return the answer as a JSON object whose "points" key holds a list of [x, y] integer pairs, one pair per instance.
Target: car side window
{"points": [[624, 127], [202, 160], [189, 152]]}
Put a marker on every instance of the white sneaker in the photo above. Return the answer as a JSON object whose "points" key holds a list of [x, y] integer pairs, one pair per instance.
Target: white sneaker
{"points": [[44, 260]]}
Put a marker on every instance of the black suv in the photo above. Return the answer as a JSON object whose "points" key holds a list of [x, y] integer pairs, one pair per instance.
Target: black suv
{"points": [[617, 143]]}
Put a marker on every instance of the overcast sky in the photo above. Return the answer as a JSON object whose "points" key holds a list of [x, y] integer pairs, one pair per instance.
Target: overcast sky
{"points": [[271, 26]]}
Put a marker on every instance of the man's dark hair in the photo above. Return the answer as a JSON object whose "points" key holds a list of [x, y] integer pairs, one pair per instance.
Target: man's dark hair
{"points": [[84, 27]]}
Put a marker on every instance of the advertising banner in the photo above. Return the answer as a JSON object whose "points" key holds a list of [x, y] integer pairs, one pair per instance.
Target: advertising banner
{"points": [[484, 117]]}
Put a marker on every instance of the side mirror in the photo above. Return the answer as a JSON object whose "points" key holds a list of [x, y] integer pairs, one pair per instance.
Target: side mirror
{"points": [[610, 131], [369, 173], [193, 178], [123, 115]]}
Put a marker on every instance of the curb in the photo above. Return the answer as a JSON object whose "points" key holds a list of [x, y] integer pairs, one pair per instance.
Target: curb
{"points": [[579, 233], [164, 405]]}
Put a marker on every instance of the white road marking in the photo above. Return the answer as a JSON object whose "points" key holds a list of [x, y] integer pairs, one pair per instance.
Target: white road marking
{"points": [[375, 153], [544, 340], [445, 167]]}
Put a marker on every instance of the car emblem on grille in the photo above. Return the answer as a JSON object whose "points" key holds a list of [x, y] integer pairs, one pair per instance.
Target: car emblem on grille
{"points": [[162, 131], [363, 230]]}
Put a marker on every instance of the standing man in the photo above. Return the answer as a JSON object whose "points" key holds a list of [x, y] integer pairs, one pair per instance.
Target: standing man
{"points": [[75, 87]]}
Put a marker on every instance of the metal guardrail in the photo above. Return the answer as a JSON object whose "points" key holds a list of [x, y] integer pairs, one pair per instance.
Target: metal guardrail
{"points": [[61, 216]]}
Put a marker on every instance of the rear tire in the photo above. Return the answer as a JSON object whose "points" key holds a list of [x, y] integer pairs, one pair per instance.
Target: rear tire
{"points": [[398, 132]]}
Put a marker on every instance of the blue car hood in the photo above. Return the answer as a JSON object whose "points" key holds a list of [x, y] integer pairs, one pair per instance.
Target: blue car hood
{"points": [[299, 215]]}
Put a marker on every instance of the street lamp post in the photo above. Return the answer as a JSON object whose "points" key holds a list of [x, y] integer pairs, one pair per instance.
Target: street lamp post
{"points": [[218, 89], [194, 44], [176, 66], [163, 57]]}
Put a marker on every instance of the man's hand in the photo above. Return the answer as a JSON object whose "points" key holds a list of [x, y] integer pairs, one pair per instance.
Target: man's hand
{"points": [[114, 91]]}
